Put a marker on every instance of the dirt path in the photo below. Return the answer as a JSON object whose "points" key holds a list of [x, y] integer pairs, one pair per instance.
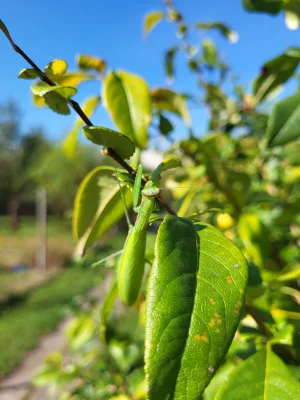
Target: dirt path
{"points": [[17, 385]]}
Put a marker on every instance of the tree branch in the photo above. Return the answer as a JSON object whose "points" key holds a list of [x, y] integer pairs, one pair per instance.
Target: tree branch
{"points": [[76, 107]]}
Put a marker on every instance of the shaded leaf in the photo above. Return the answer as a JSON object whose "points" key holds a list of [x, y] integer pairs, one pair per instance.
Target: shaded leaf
{"points": [[222, 28], [284, 121], [28, 73], [110, 139], [168, 100], [274, 74], [262, 376], [127, 99], [169, 62], [255, 238], [195, 294], [169, 163], [165, 125], [70, 142], [269, 6], [98, 206], [209, 52], [56, 68], [151, 20], [86, 63], [57, 103]]}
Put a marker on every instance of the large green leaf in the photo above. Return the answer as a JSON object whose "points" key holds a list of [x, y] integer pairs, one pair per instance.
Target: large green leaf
{"points": [[264, 376], [151, 20], [98, 206], [127, 99], [168, 100], [274, 74], [70, 142], [284, 121], [269, 6], [194, 300], [110, 139]]}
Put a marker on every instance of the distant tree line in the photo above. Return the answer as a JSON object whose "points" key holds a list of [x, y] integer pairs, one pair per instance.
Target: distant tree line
{"points": [[29, 160]]}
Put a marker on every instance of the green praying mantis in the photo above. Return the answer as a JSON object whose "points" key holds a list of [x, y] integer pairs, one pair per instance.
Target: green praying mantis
{"points": [[132, 263]]}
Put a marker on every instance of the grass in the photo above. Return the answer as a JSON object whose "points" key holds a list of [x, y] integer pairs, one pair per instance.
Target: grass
{"points": [[41, 310]]}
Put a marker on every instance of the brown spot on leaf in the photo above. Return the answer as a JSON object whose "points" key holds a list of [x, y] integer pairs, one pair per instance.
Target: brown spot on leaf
{"points": [[212, 301], [212, 322], [217, 315], [202, 338], [219, 321], [228, 279], [217, 330]]}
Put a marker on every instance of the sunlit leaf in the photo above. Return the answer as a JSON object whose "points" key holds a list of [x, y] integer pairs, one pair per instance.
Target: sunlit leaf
{"points": [[110, 139], [28, 73], [151, 20], [168, 100], [64, 91], [127, 99], [73, 78], [169, 163], [56, 68], [86, 63], [262, 376], [194, 300], [284, 121]]}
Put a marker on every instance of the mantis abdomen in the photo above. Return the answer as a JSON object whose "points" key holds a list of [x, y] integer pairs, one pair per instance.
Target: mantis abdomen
{"points": [[132, 263]]}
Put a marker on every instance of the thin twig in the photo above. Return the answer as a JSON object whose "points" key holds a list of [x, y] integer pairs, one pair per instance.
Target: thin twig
{"points": [[76, 107]]}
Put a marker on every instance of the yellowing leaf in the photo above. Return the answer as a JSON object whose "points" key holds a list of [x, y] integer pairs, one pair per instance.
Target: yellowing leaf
{"points": [[86, 62], [56, 68], [73, 78], [151, 20], [168, 100]]}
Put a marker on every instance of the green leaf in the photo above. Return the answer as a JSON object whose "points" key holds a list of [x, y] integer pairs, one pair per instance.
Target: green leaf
{"points": [[292, 14], [262, 376], [86, 63], [127, 99], [28, 73], [209, 52], [274, 74], [269, 6], [168, 100], [284, 121], [222, 28], [289, 273], [70, 142], [151, 20], [98, 206], [169, 163], [108, 304], [165, 125], [5, 31], [255, 238], [64, 91], [56, 68], [110, 139], [169, 62], [195, 295]]}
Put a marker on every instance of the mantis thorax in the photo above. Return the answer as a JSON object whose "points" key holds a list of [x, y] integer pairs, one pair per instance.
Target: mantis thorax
{"points": [[150, 190]]}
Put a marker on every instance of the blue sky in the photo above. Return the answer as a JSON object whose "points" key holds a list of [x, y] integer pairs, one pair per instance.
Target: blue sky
{"points": [[113, 31]]}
